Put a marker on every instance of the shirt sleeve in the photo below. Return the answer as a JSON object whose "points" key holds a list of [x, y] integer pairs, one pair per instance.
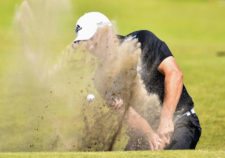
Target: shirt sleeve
{"points": [[154, 48], [164, 51]]}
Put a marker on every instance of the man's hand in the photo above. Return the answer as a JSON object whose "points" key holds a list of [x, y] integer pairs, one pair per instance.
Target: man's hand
{"points": [[165, 131], [117, 104], [154, 141]]}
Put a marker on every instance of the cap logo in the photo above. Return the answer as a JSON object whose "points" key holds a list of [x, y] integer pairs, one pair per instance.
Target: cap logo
{"points": [[78, 28]]}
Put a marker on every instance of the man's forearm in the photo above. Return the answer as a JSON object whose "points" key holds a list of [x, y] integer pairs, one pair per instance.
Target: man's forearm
{"points": [[173, 89], [138, 123]]}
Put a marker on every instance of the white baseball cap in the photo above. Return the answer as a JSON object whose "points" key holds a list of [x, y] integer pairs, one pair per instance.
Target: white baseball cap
{"points": [[88, 24]]}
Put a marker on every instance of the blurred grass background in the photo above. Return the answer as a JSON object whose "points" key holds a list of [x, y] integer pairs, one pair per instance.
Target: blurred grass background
{"points": [[193, 29]]}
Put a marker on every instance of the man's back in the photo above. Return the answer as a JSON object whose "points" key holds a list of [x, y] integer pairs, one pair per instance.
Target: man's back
{"points": [[154, 51]]}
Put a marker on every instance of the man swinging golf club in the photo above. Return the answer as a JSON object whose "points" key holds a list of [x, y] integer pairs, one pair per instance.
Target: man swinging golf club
{"points": [[179, 126]]}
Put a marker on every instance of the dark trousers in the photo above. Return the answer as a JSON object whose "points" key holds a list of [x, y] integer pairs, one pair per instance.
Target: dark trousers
{"points": [[186, 135]]}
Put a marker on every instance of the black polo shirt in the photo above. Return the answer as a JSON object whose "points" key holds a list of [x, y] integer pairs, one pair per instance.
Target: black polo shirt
{"points": [[154, 51]]}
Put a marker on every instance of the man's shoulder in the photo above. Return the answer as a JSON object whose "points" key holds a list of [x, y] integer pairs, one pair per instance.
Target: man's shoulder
{"points": [[142, 35]]}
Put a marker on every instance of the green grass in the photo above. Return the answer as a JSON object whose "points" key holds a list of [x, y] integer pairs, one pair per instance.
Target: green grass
{"points": [[133, 154], [194, 31]]}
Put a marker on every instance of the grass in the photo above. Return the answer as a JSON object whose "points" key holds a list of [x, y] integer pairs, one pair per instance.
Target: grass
{"points": [[133, 154], [194, 31]]}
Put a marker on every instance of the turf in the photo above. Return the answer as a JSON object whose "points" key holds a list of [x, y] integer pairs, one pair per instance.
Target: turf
{"points": [[133, 154], [194, 31]]}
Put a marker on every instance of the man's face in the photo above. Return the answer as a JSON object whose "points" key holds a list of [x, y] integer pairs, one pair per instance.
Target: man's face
{"points": [[100, 43], [88, 45]]}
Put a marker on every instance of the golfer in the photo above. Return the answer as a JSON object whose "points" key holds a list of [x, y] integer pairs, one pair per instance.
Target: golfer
{"points": [[179, 126]]}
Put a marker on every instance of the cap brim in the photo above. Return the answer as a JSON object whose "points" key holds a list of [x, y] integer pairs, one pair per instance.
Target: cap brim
{"points": [[78, 38], [84, 35]]}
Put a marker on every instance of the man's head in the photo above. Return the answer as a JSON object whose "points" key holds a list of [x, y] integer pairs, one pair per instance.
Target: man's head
{"points": [[88, 24]]}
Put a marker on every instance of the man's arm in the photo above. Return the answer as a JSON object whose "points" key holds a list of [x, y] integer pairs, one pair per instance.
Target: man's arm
{"points": [[173, 87], [137, 123]]}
